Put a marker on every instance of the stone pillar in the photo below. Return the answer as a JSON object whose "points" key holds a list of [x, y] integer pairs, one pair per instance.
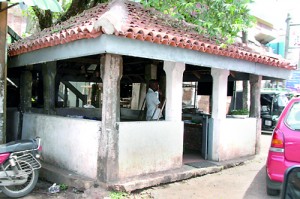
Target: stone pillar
{"points": [[174, 78], [219, 103], [26, 90], [150, 72], [49, 74], [143, 91], [139, 90], [135, 97], [111, 72], [245, 94], [255, 86], [219, 93], [65, 96], [3, 72]]}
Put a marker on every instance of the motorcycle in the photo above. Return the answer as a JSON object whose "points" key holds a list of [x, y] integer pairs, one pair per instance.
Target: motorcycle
{"points": [[19, 166]]}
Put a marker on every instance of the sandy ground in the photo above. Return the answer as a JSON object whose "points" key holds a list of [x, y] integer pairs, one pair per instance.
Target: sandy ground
{"points": [[246, 181]]}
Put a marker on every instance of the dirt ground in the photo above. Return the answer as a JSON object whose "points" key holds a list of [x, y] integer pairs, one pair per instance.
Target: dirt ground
{"points": [[246, 181]]}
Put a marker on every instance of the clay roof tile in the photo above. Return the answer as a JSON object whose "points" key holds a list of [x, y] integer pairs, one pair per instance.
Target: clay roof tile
{"points": [[142, 24]]}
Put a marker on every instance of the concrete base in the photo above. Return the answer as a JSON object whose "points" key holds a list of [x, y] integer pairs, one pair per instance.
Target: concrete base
{"points": [[54, 174], [183, 173], [57, 175]]}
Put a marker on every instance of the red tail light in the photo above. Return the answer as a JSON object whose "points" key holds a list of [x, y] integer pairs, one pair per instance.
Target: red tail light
{"points": [[277, 139]]}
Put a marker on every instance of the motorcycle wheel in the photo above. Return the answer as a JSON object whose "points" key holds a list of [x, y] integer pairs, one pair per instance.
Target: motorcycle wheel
{"points": [[16, 191]]}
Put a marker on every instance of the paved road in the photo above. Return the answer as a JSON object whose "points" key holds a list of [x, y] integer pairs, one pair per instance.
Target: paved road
{"points": [[246, 181]]}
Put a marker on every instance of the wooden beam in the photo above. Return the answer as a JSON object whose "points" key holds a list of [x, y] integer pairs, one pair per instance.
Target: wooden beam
{"points": [[75, 91]]}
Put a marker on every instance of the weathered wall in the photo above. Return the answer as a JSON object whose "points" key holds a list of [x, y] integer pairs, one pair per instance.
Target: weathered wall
{"points": [[237, 138], [12, 123], [69, 143], [147, 147]]}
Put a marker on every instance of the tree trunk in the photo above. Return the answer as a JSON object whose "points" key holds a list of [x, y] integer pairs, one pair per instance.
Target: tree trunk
{"points": [[44, 17], [78, 6]]}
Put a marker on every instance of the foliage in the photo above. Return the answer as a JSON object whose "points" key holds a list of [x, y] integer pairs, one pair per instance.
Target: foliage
{"points": [[222, 19], [239, 112], [63, 187], [215, 18], [117, 195], [71, 8]]}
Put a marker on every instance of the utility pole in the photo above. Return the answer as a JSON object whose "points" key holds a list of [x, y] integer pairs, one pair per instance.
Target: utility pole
{"points": [[287, 35], [287, 42], [292, 43]]}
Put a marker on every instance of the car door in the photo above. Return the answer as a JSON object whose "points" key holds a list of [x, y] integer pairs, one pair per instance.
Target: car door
{"points": [[291, 131]]}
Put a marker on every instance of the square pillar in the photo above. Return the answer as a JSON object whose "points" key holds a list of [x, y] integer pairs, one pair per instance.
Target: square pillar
{"points": [[219, 92], [26, 90], [255, 86], [49, 74], [111, 67], [219, 100], [174, 75], [3, 71], [135, 97], [255, 106], [150, 73]]}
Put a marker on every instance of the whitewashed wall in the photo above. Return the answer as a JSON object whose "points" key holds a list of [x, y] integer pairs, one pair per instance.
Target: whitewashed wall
{"points": [[237, 138], [147, 147], [68, 143]]}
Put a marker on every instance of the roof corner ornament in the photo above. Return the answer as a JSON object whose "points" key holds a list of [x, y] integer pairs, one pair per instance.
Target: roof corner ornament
{"points": [[113, 19]]}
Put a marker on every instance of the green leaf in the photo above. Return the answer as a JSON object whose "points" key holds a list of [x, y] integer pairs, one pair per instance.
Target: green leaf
{"points": [[224, 18]]}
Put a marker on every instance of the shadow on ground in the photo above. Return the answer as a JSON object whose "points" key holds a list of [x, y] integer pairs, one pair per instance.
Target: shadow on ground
{"points": [[258, 186]]}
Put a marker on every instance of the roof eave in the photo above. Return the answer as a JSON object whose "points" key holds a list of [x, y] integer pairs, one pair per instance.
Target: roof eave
{"points": [[124, 46]]}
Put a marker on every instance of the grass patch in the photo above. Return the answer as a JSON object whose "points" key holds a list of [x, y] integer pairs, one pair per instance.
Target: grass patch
{"points": [[118, 195], [63, 187]]}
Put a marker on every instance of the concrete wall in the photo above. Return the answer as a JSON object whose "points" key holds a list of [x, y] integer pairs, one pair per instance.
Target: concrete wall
{"points": [[69, 143], [147, 147], [237, 139]]}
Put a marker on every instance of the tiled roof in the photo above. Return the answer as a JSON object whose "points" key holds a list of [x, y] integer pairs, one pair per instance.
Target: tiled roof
{"points": [[141, 24]]}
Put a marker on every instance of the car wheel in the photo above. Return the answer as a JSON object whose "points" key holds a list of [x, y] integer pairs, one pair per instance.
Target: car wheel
{"points": [[272, 192]]}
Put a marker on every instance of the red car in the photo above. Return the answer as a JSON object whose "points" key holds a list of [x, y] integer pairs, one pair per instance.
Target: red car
{"points": [[284, 151]]}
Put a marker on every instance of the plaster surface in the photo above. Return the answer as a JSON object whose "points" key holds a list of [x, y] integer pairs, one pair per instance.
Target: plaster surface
{"points": [[124, 46], [237, 138], [68, 143], [148, 147]]}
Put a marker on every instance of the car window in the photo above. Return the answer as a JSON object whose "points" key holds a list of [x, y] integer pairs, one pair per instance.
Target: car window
{"points": [[293, 117]]}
